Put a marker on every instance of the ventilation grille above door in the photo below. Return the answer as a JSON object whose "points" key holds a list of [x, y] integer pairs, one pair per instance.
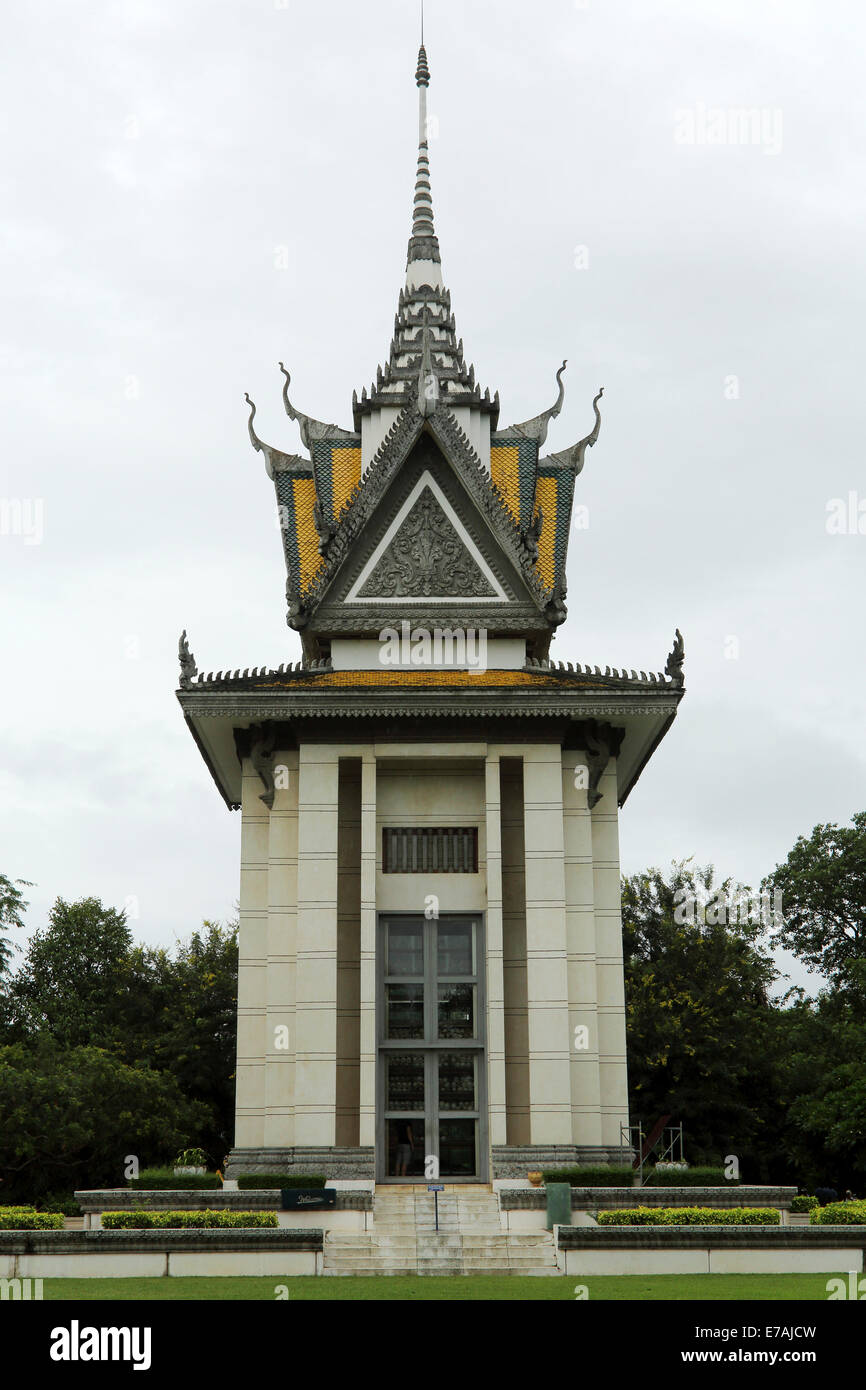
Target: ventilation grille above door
{"points": [[450, 850]]}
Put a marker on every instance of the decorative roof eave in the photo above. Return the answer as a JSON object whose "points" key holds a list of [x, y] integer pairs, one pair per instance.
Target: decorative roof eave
{"points": [[626, 725], [312, 430], [275, 460], [537, 427], [537, 675], [573, 458]]}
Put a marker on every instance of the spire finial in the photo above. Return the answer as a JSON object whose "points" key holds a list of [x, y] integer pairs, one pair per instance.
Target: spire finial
{"points": [[423, 245]]}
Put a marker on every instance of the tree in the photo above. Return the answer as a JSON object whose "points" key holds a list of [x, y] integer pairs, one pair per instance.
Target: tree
{"points": [[84, 984], [71, 1116], [698, 1013], [12, 906], [821, 1083], [823, 898], [182, 1018], [69, 985]]}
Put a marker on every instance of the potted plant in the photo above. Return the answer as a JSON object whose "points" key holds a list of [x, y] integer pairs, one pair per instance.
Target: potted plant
{"points": [[191, 1161]]}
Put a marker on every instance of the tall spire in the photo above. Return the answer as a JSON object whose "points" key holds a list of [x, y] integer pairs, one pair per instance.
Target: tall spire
{"points": [[423, 244], [425, 364]]}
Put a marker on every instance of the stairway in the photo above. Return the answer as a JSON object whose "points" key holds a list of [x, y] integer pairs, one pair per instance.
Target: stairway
{"points": [[470, 1239]]}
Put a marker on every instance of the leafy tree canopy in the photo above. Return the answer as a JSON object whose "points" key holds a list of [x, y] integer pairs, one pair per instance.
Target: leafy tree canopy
{"points": [[12, 908], [823, 898], [72, 1115], [698, 1011]]}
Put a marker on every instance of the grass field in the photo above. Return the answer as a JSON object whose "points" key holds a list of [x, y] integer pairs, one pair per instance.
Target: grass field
{"points": [[643, 1288]]}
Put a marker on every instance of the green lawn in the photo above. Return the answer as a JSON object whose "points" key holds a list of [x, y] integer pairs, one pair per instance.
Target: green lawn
{"points": [[672, 1287]]}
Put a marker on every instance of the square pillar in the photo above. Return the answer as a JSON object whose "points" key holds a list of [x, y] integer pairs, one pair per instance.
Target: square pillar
{"points": [[610, 983], [368, 950], [280, 1039], [495, 982], [252, 963], [546, 948], [316, 954], [580, 932]]}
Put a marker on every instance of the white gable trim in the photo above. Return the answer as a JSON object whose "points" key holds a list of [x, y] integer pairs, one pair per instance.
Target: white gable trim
{"points": [[426, 480]]}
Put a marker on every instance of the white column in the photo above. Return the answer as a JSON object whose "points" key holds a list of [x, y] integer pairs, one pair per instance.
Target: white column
{"points": [[252, 964], [316, 988], [546, 948], [495, 984], [280, 1037], [368, 950], [610, 983], [580, 931]]}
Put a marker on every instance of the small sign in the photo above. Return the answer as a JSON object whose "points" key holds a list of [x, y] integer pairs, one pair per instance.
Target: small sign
{"points": [[308, 1199], [434, 1187]]}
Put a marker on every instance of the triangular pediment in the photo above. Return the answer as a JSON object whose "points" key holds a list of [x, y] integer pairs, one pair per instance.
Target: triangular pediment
{"points": [[426, 555], [427, 539]]}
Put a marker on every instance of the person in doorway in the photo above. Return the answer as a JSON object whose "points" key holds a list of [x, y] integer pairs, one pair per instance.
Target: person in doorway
{"points": [[405, 1148]]}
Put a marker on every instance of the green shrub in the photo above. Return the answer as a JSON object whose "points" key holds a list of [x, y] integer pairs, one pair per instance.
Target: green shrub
{"points": [[186, 1220], [690, 1177], [840, 1214], [164, 1180], [690, 1216], [258, 1182], [598, 1175], [12, 1220], [803, 1203]]}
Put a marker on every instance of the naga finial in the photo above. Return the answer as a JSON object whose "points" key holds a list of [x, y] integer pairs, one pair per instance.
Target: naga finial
{"points": [[275, 460], [537, 427], [188, 668], [574, 457], [311, 429], [296, 613], [674, 663], [254, 438], [325, 528], [532, 535]]}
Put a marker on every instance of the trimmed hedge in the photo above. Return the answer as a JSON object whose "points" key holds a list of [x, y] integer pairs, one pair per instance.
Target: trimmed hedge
{"points": [[690, 1216], [599, 1175], [183, 1220], [840, 1214], [258, 1182], [163, 1179], [690, 1177], [29, 1220], [804, 1203]]}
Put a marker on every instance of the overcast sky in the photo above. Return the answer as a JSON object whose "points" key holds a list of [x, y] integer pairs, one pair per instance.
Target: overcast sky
{"points": [[193, 191]]}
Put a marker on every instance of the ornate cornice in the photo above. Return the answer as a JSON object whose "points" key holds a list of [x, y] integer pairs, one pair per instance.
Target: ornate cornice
{"points": [[360, 705]]}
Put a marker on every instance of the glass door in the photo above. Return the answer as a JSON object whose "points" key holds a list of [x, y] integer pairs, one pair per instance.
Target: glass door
{"points": [[432, 1116]]}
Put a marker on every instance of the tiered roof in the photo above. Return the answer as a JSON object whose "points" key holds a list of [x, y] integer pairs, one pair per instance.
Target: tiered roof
{"points": [[425, 376]]}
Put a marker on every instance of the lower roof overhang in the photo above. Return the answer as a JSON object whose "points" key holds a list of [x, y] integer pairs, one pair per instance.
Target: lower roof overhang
{"points": [[639, 718]]}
